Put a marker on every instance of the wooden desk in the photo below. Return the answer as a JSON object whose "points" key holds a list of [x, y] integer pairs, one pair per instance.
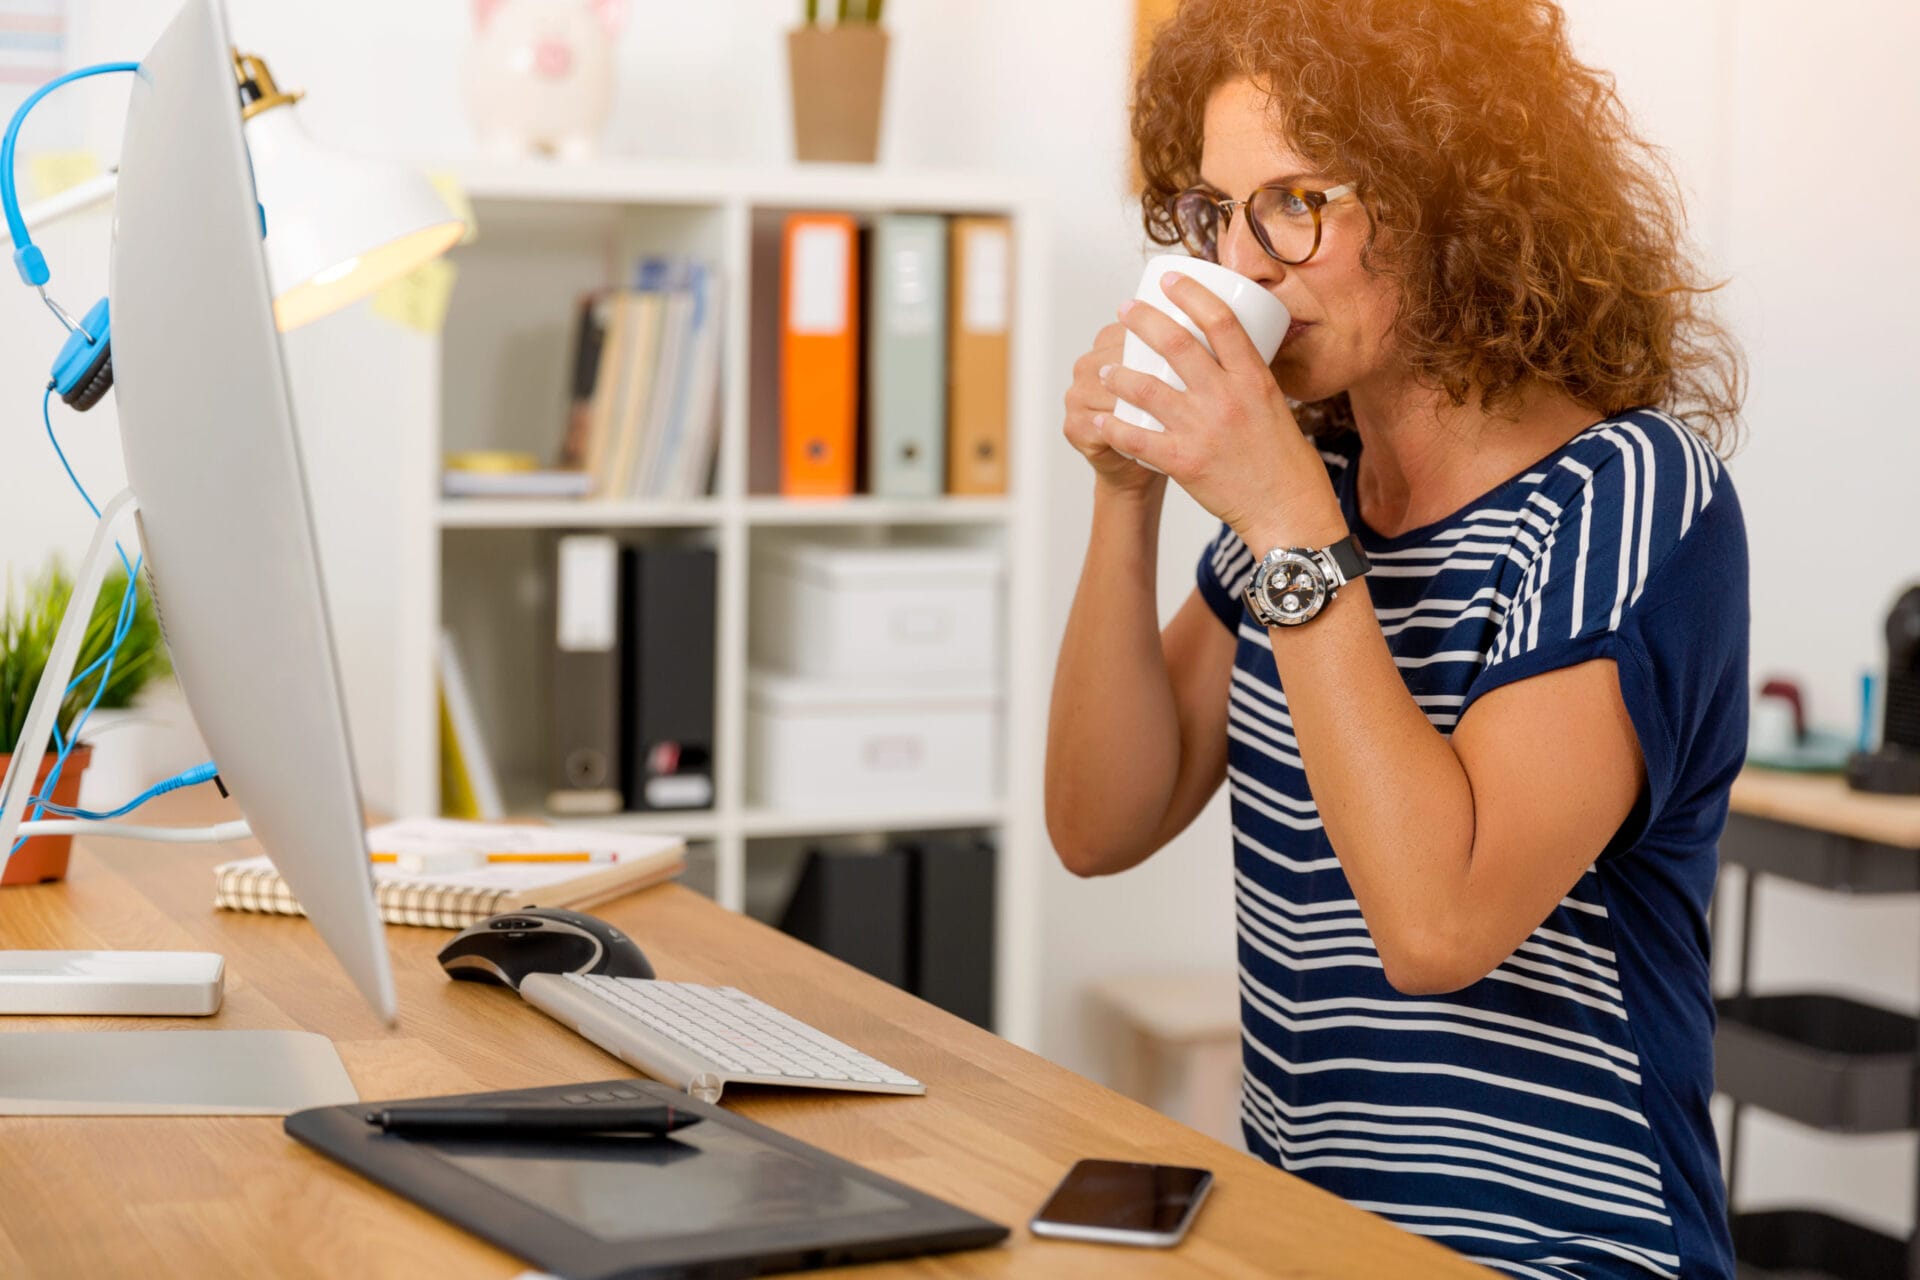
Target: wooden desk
{"points": [[207, 1197]]}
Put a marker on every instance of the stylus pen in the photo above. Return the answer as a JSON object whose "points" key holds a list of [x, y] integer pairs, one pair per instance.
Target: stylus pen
{"points": [[653, 1117]]}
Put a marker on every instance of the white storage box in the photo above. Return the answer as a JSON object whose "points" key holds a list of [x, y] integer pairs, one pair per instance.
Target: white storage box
{"points": [[825, 610], [907, 743]]}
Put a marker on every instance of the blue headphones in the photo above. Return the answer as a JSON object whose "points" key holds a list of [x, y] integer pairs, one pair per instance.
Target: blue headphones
{"points": [[83, 371]]}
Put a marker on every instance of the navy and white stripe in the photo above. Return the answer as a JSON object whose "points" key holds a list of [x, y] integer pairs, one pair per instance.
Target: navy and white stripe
{"points": [[1550, 1119]]}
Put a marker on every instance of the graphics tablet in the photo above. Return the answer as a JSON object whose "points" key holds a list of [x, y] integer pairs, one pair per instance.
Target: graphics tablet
{"points": [[725, 1197]]}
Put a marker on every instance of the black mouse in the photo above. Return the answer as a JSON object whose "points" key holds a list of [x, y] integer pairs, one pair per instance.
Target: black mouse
{"points": [[505, 948]]}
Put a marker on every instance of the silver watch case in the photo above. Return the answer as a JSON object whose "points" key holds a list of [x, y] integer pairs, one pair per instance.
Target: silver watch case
{"points": [[1292, 585]]}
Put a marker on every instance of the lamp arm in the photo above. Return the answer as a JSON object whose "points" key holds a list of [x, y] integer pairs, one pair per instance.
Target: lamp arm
{"points": [[218, 833], [75, 199]]}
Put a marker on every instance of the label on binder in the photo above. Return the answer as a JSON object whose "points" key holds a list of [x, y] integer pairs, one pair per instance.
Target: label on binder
{"points": [[819, 299], [988, 252]]}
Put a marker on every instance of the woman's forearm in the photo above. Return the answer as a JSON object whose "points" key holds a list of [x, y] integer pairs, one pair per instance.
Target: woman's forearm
{"points": [[1113, 734], [1396, 801]]}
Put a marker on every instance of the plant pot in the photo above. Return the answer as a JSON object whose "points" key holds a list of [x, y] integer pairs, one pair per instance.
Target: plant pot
{"points": [[44, 858], [838, 75]]}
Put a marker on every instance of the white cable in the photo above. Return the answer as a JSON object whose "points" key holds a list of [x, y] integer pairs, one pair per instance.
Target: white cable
{"points": [[218, 833]]}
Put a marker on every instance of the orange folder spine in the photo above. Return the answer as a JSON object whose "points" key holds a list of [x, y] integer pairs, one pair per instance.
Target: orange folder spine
{"points": [[819, 355], [980, 301]]}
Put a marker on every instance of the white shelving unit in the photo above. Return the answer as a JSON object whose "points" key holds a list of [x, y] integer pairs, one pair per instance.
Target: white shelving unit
{"points": [[496, 378]]}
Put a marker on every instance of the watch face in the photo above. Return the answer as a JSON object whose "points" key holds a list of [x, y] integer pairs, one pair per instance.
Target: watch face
{"points": [[1294, 589]]}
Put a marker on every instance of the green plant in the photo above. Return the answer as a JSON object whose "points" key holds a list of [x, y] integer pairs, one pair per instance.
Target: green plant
{"points": [[27, 629], [867, 11]]}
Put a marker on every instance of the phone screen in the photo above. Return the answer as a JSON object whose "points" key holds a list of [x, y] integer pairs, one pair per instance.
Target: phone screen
{"points": [[1112, 1195]]}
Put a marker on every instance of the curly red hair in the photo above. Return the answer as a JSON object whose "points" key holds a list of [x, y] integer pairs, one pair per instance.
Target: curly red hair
{"points": [[1537, 237]]}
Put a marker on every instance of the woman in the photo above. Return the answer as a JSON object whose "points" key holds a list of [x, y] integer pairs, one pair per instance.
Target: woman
{"points": [[1482, 703]]}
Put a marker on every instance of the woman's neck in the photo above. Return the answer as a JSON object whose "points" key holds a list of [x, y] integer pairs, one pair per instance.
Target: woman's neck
{"points": [[1423, 457]]}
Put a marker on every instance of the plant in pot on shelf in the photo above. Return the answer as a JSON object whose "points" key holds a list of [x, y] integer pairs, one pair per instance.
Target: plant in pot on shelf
{"points": [[28, 623], [838, 74]]}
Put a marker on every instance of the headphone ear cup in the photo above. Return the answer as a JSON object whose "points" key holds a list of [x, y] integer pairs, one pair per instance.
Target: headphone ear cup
{"points": [[95, 381], [83, 371]]}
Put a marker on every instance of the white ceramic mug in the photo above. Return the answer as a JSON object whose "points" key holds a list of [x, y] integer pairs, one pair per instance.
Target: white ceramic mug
{"points": [[1263, 316]]}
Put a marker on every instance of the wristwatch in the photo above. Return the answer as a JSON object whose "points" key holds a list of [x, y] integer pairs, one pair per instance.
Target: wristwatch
{"points": [[1292, 585]]}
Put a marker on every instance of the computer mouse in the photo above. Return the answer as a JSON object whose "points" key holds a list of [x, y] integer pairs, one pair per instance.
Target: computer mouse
{"points": [[505, 948]]}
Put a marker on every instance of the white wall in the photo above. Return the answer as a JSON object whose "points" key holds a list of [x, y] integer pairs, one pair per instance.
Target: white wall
{"points": [[1798, 194]]}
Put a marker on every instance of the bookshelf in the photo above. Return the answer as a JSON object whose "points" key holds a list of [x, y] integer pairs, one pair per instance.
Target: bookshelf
{"points": [[494, 378]]}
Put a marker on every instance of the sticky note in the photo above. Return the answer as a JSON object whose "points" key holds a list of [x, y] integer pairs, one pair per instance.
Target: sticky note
{"points": [[456, 197], [52, 172], [418, 300]]}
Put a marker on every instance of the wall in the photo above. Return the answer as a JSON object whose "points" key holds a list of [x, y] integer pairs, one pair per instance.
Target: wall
{"points": [[1778, 136]]}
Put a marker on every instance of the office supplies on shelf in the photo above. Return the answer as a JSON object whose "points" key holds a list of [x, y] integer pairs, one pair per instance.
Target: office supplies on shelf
{"points": [[469, 788], [595, 422], [951, 917], [688, 447], [577, 1113], [668, 639], [907, 357], [585, 769], [819, 609], [504, 949], [922, 743], [455, 899], [701, 1039], [641, 356], [515, 484], [726, 1196], [855, 906], [819, 355], [980, 311]]}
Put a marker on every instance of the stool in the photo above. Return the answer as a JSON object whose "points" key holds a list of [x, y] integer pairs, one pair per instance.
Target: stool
{"points": [[1176, 1046]]}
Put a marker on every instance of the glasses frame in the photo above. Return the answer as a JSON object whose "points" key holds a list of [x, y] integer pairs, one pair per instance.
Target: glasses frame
{"points": [[1314, 200]]}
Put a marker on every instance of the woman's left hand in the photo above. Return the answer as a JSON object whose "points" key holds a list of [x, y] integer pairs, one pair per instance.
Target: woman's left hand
{"points": [[1231, 441]]}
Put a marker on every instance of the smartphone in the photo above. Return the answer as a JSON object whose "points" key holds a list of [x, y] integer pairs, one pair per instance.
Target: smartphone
{"points": [[1116, 1202]]}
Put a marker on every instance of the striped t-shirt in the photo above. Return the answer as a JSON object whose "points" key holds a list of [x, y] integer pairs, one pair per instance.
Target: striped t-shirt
{"points": [[1550, 1119]]}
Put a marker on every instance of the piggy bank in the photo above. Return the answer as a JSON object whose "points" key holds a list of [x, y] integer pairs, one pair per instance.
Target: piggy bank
{"points": [[540, 74]]}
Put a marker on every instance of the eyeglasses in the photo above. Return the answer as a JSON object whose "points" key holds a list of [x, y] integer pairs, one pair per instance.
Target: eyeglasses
{"points": [[1285, 220]]}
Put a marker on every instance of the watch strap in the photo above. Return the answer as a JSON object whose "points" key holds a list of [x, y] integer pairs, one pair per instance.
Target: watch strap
{"points": [[1348, 558]]}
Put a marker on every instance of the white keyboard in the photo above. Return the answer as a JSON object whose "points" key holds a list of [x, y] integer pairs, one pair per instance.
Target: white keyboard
{"points": [[703, 1038]]}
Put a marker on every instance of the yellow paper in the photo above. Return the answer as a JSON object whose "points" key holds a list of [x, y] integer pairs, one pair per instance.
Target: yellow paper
{"points": [[52, 172], [456, 197], [419, 299]]}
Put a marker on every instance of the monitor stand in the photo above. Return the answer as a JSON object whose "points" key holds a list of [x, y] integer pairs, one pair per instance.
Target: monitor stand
{"points": [[169, 1073], [133, 1073]]}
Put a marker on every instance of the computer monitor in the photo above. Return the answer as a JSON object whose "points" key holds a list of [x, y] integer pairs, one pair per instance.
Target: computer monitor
{"points": [[213, 459]]}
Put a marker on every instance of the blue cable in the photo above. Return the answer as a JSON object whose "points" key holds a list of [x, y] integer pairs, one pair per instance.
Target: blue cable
{"points": [[192, 777]]}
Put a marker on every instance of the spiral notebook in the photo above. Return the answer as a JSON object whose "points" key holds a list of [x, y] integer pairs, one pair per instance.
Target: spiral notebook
{"points": [[456, 899]]}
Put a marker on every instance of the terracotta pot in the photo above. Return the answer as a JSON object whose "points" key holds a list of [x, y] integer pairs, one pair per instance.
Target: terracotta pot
{"points": [[837, 77], [45, 857]]}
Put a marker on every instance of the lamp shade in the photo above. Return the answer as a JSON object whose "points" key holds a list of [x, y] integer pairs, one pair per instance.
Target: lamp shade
{"points": [[338, 226]]}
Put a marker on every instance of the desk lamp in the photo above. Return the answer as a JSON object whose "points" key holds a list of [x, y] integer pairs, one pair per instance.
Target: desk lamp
{"points": [[216, 484]]}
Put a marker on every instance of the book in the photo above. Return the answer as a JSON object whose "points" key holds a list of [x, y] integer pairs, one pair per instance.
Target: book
{"points": [[515, 484], [454, 900], [819, 355], [694, 433], [584, 768], [980, 306], [469, 788], [907, 356]]}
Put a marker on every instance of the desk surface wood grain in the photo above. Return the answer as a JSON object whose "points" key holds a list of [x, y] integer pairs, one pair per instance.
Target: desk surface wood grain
{"points": [[208, 1197], [1824, 802]]}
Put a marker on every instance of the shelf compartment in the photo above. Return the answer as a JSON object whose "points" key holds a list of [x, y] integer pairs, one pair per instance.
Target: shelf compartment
{"points": [[1822, 858], [770, 822], [1804, 1244], [573, 513], [867, 509], [1823, 1060]]}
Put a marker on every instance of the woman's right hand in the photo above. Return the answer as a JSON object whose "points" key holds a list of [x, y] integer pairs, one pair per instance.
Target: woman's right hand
{"points": [[1088, 399]]}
